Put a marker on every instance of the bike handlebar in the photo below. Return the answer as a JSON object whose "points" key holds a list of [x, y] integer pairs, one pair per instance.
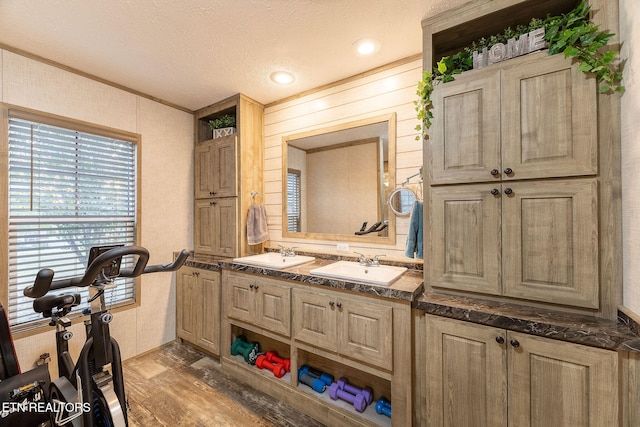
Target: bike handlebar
{"points": [[44, 279]]}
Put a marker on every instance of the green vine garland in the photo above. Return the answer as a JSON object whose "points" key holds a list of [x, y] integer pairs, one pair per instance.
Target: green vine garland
{"points": [[571, 34]]}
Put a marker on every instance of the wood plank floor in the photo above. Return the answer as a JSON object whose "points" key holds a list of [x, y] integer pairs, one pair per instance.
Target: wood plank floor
{"points": [[177, 385]]}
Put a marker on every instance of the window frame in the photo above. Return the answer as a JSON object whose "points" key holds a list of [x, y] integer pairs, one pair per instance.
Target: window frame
{"points": [[11, 111]]}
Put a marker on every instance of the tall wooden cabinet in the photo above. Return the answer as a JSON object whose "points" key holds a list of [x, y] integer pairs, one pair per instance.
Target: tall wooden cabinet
{"points": [[523, 180], [227, 170]]}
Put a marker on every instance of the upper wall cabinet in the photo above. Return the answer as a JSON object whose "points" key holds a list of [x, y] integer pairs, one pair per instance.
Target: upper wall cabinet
{"points": [[522, 199], [531, 117], [227, 169]]}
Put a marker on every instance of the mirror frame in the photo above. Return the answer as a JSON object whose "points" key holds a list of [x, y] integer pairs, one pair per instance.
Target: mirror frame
{"points": [[390, 239]]}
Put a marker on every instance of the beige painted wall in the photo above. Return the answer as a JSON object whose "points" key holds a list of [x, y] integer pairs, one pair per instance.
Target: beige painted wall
{"points": [[630, 36], [352, 169], [390, 91], [167, 188]]}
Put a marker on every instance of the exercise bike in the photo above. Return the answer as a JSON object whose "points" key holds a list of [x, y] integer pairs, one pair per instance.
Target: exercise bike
{"points": [[91, 392]]}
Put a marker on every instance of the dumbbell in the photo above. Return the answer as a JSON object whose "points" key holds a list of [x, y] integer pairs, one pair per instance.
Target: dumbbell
{"points": [[314, 373], [358, 401], [383, 407], [249, 351], [315, 383], [273, 357], [277, 368], [367, 393]]}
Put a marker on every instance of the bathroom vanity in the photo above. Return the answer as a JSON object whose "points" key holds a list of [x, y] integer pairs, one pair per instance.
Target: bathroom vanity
{"points": [[352, 329]]}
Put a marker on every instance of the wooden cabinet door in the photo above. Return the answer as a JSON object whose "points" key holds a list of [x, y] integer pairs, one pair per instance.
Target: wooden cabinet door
{"points": [[558, 384], [225, 238], [215, 168], [239, 297], [209, 311], [315, 319], [203, 224], [466, 374], [549, 118], [204, 170], [186, 304], [465, 135], [224, 167], [466, 238], [365, 331], [550, 241], [215, 226], [273, 307]]}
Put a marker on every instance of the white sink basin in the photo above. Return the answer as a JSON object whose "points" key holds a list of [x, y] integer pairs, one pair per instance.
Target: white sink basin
{"points": [[346, 270], [273, 260]]}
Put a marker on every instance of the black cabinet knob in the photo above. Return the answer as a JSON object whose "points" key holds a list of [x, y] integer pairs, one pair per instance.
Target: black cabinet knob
{"points": [[212, 193], [508, 171], [495, 191], [251, 285], [515, 343], [495, 172], [500, 340], [256, 287], [339, 304], [508, 191], [213, 203], [331, 303]]}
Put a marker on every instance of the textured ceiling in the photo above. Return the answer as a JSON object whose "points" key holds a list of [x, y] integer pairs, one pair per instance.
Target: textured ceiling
{"points": [[193, 53]]}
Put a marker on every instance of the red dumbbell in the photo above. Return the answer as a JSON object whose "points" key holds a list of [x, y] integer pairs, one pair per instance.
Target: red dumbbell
{"points": [[273, 357], [277, 368]]}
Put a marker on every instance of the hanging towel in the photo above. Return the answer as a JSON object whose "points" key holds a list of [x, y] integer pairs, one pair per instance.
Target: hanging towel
{"points": [[414, 238], [257, 231]]}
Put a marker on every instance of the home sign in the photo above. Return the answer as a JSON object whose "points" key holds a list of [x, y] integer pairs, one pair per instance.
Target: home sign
{"points": [[527, 43]]}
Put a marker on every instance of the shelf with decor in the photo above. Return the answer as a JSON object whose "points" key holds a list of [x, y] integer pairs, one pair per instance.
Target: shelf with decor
{"points": [[227, 169]]}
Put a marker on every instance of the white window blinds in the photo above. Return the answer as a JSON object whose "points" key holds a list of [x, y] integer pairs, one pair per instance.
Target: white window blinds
{"points": [[68, 191], [293, 200]]}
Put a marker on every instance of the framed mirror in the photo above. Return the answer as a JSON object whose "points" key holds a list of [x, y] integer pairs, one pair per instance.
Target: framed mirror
{"points": [[337, 182]]}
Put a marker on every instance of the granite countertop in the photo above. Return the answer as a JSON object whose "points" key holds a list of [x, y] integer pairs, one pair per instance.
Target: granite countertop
{"points": [[408, 287], [580, 329], [621, 335]]}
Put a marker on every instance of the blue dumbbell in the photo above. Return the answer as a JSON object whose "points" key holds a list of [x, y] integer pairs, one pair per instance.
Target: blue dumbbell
{"points": [[315, 383], [314, 373], [383, 407]]}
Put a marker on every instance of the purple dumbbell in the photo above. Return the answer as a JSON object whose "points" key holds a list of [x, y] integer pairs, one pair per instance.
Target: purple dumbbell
{"points": [[367, 393], [357, 401]]}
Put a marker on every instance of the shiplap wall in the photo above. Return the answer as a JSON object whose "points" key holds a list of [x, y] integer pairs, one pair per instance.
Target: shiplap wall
{"points": [[391, 90]]}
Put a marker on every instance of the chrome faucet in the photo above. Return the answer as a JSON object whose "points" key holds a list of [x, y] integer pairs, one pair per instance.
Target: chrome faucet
{"points": [[284, 251], [369, 262]]}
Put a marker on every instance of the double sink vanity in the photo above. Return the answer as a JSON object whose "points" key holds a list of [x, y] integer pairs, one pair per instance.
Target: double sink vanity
{"points": [[336, 315]]}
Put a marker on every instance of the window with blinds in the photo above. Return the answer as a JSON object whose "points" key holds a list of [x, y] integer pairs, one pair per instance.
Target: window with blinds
{"points": [[293, 200], [69, 190]]}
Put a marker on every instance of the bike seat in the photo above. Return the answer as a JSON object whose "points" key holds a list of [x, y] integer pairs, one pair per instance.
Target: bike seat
{"points": [[48, 302]]}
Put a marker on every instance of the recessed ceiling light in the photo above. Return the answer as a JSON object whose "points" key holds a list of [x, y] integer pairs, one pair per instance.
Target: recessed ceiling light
{"points": [[366, 46], [282, 77]]}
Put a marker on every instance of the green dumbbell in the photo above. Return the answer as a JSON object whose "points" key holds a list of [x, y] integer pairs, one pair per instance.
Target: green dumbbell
{"points": [[248, 350]]}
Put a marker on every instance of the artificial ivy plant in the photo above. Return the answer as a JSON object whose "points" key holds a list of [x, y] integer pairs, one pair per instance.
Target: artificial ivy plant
{"points": [[571, 34]]}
